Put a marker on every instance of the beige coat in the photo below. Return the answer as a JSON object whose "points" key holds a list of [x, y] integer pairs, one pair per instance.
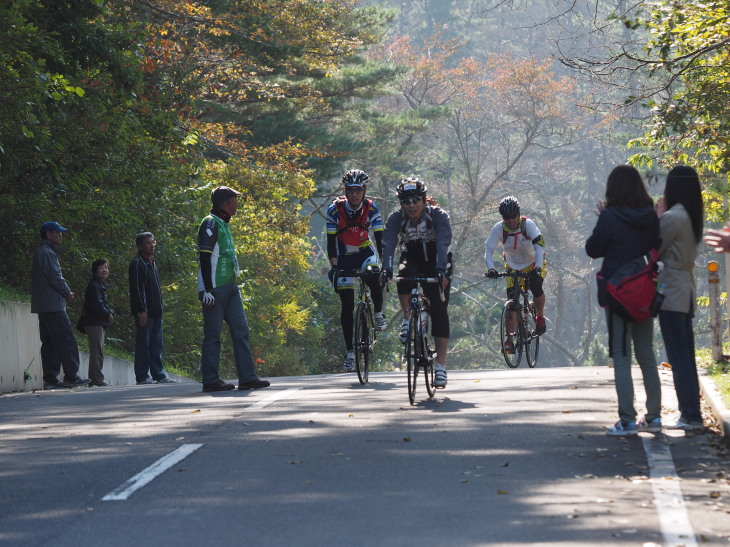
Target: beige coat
{"points": [[678, 252]]}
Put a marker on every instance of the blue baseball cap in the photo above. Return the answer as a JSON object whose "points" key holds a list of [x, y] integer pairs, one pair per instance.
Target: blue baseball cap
{"points": [[51, 226]]}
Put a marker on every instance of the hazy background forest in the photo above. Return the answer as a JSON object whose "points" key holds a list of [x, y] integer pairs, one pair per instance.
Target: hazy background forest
{"points": [[120, 116]]}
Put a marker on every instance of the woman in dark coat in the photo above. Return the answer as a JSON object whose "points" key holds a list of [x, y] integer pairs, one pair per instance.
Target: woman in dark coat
{"points": [[628, 228], [97, 316]]}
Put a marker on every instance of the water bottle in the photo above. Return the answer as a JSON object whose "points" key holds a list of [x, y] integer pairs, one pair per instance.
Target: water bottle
{"points": [[656, 303], [424, 323]]}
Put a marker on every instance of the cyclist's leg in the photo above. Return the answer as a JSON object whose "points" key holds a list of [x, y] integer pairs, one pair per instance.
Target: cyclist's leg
{"points": [[538, 297], [347, 298]]}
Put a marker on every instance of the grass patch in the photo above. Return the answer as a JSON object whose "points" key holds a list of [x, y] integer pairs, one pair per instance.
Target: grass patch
{"points": [[718, 371], [8, 294]]}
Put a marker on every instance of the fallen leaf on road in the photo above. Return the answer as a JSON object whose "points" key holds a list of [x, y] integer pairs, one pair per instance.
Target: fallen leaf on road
{"points": [[501, 492]]}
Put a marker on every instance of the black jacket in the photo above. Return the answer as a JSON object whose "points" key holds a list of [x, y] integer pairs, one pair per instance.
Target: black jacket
{"points": [[622, 234], [145, 291], [96, 306]]}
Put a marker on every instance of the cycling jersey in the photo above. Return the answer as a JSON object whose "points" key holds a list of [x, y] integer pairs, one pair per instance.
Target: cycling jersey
{"points": [[523, 246], [351, 226]]}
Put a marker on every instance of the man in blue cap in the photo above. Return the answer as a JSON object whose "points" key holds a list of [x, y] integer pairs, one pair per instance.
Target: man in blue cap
{"points": [[48, 297]]}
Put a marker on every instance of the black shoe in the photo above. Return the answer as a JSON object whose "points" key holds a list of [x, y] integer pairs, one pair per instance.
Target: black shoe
{"points": [[166, 381], [99, 384], [58, 384], [220, 385], [76, 382], [258, 383], [146, 381]]}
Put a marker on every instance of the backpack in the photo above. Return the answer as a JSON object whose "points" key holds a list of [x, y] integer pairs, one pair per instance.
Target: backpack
{"points": [[523, 230], [631, 290]]}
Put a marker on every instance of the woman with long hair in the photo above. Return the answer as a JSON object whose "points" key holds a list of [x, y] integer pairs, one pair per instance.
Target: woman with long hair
{"points": [[628, 228], [681, 215]]}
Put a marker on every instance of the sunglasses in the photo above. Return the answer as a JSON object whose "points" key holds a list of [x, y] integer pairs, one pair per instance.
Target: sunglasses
{"points": [[410, 201], [355, 189]]}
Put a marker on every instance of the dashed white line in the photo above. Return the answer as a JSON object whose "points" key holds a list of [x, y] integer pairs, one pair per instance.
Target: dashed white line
{"points": [[673, 517], [126, 489]]}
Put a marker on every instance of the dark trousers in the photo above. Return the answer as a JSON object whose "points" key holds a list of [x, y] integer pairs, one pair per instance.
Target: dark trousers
{"points": [[58, 346], [679, 341], [148, 350]]}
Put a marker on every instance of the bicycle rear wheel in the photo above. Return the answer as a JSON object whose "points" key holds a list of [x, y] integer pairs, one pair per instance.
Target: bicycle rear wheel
{"points": [[532, 345], [362, 343], [412, 354], [512, 359]]}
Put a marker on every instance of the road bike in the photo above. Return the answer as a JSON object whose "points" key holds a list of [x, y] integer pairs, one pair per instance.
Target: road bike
{"points": [[419, 351], [524, 337], [364, 335]]}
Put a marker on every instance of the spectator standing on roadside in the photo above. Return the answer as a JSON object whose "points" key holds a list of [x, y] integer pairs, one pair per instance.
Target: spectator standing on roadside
{"points": [[220, 296], [681, 215], [96, 317], [628, 228], [49, 294], [145, 299]]}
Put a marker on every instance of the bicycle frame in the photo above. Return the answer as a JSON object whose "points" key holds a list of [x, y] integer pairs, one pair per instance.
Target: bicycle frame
{"points": [[520, 313], [364, 333], [418, 353]]}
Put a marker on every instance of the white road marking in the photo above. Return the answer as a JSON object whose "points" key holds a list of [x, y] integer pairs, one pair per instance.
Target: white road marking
{"points": [[273, 397], [673, 517], [126, 489]]}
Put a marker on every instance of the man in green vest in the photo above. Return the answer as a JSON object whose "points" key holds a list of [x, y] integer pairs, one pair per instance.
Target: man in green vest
{"points": [[220, 296]]}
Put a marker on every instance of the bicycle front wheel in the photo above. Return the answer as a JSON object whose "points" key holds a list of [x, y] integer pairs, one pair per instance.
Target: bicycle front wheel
{"points": [[532, 345], [413, 354], [512, 359], [362, 343]]}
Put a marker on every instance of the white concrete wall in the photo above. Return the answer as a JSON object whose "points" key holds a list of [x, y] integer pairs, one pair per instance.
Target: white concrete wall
{"points": [[20, 350]]}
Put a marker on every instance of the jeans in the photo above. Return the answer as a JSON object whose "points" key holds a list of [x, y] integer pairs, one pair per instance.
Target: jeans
{"points": [[679, 341], [148, 350], [641, 335], [58, 347], [228, 307]]}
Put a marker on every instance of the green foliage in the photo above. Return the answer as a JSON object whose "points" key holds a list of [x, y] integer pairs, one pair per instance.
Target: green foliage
{"points": [[687, 51]]}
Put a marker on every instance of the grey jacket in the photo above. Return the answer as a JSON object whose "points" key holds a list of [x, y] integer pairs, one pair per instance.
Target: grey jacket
{"points": [[678, 252], [48, 287]]}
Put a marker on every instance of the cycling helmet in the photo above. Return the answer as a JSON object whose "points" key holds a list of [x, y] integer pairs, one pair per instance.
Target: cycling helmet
{"points": [[411, 188], [355, 177], [509, 207]]}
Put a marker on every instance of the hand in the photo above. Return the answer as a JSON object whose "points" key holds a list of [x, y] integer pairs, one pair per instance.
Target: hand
{"points": [[110, 320], [600, 206], [208, 300], [70, 296], [492, 273], [443, 280], [719, 239], [385, 275], [538, 270], [142, 316], [332, 273]]}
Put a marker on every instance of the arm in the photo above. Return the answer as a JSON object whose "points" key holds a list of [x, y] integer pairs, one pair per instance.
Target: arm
{"points": [[597, 243], [495, 236], [390, 238], [538, 242], [442, 226], [52, 272]]}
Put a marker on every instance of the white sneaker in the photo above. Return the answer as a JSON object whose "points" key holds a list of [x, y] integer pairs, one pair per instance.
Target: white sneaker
{"points": [[380, 322], [440, 379], [350, 361], [404, 331]]}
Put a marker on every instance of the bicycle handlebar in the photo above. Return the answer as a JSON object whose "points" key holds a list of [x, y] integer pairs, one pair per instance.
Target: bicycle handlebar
{"points": [[510, 274], [357, 273]]}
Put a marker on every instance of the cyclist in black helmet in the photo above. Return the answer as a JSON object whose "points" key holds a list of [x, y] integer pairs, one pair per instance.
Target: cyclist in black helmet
{"points": [[424, 233], [349, 247], [524, 250]]}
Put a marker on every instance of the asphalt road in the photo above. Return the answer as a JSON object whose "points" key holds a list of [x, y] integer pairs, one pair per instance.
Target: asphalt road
{"points": [[500, 457]]}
